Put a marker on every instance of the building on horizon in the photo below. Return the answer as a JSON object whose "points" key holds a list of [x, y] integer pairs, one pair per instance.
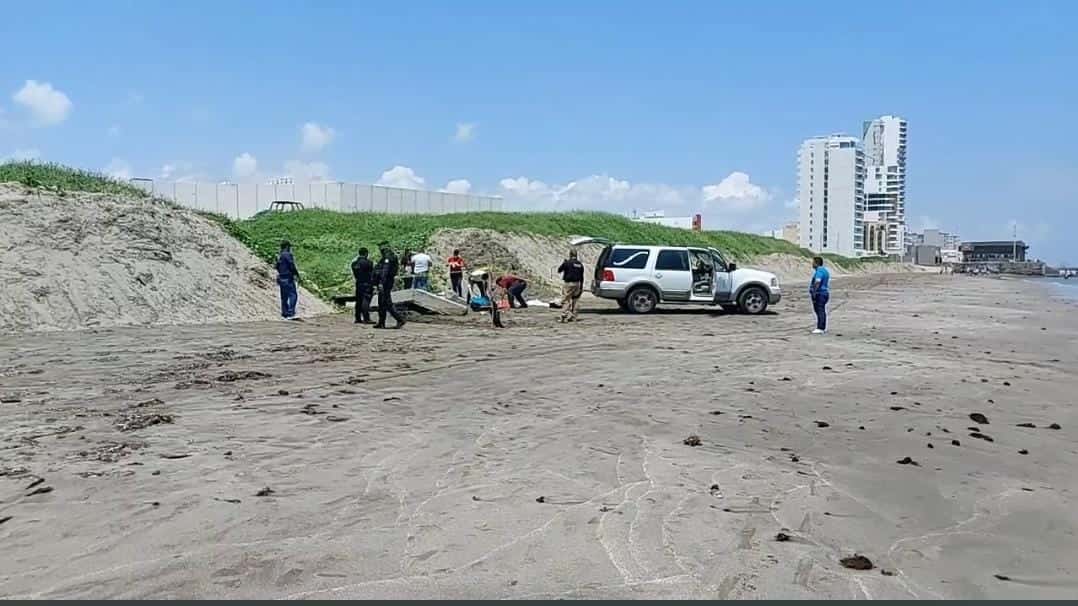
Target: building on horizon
{"points": [[994, 251], [831, 195], [884, 142], [659, 217]]}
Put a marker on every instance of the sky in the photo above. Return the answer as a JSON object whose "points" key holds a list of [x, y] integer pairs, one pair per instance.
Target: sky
{"points": [[677, 106]]}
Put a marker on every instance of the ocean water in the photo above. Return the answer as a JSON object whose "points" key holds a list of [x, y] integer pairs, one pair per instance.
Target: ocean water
{"points": [[1066, 287]]}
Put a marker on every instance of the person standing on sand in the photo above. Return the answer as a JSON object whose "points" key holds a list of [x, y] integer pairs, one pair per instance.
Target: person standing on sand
{"points": [[820, 293], [456, 274], [420, 270], [387, 276], [363, 272], [572, 274], [287, 275], [515, 287]]}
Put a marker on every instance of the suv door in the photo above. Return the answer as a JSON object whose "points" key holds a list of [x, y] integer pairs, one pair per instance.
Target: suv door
{"points": [[724, 282], [672, 274]]}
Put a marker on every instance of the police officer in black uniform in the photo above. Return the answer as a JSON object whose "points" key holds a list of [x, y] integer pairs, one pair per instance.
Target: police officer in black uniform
{"points": [[387, 270], [363, 272]]}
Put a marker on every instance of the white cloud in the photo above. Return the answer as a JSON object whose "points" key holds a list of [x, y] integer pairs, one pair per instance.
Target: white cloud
{"points": [[465, 132], [118, 169], [245, 166], [46, 104], [458, 186], [307, 171], [167, 171], [22, 155], [403, 177], [113, 131], [736, 192], [315, 136], [794, 203]]}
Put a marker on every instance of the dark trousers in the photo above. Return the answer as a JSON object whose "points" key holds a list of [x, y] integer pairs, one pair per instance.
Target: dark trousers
{"points": [[516, 294], [819, 305], [364, 293], [288, 297], [385, 306], [455, 280]]}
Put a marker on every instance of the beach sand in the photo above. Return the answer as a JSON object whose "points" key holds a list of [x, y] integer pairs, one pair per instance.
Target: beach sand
{"points": [[448, 460]]}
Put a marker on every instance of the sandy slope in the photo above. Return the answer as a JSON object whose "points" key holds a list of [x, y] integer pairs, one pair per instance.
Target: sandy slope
{"points": [[89, 260], [410, 463]]}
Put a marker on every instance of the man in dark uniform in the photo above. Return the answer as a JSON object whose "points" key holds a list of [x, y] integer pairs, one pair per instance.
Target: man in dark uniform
{"points": [[387, 270], [363, 271]]}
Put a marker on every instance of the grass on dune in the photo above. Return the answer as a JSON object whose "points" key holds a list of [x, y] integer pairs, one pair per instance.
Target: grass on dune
{"points": [[325, 242], [64, 179]]}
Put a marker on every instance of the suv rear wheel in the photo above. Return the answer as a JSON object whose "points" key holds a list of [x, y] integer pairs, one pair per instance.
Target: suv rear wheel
{"points": [[642, 300], [753, 300]]}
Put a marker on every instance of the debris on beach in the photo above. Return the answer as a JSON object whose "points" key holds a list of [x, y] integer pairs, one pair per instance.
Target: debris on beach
{"points": [[1023, 452], [1029, 425], [1054, 426], [540, 499], [822, 424], [138, 419], [715, 412], [887, 573], [247, 375], [336, 418], [908, 461], [978, 418], [265, 492], [782, 537], [715, 490], [981, 436], [35, 483], [42, 490], [1002, 577], [693, 440], [955, 443], [4, 519], [897, 408], [857, 562], [233, 501]]}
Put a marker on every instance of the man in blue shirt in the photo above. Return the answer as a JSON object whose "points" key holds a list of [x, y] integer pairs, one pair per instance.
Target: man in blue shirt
{"points": [[287, 274], [820, 292]]}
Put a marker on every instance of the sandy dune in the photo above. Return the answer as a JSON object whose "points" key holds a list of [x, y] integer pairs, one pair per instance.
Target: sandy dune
{"points": [[93, 260], [446, 460]]}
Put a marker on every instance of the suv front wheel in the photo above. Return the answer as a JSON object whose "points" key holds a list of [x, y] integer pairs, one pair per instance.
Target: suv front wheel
{"points": [[753, 300], [642, 300]]}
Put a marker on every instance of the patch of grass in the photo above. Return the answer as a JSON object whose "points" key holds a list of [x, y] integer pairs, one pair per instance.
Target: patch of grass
{"points": [[64, 179], [325, 242]]}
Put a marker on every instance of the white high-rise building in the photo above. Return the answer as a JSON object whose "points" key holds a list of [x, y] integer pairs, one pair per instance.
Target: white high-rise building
{"points": [[884, 142], [830, 190]]}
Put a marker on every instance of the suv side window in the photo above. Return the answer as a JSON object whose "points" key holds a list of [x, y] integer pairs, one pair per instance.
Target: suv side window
{"points": [[672, 260], [629, 258]]}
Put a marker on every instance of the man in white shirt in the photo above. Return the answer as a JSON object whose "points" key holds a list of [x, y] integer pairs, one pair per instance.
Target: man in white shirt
{"points": [[421, 262]]}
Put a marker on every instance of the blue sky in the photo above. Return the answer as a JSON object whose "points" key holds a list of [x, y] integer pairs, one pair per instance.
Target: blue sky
{"points": [[683, 106]]}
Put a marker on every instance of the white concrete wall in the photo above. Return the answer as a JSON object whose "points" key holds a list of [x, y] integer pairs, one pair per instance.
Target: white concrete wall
{"points": [[243, 200]]}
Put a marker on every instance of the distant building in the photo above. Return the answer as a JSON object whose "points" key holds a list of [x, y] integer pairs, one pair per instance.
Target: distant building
{"points": [[830, 189], [884, 143], [791, 232], [659, 217], [1001, 250]]}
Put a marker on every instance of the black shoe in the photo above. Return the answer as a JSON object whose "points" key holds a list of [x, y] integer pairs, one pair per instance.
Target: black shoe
{"points": [[379, 326]]}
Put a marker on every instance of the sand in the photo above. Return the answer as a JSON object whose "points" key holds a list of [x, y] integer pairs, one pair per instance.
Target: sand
{"points": [[447, 460], [91, 260]]}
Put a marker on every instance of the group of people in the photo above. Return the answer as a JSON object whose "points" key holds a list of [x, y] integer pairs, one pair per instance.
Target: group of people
{"points": [[381, 278]]}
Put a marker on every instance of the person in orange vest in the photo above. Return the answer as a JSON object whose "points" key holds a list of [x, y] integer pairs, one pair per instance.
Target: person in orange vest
{"points": [[456, 273]]}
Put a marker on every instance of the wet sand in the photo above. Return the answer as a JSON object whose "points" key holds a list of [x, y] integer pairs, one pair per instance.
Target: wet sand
{"points": [[448, 460]]}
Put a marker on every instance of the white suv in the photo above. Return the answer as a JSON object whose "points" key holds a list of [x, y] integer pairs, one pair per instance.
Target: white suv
{"points": [[640, 277]]}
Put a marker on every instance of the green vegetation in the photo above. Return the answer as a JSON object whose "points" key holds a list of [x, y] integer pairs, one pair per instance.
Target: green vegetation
{"points": [[325, 242], [62, 179]]}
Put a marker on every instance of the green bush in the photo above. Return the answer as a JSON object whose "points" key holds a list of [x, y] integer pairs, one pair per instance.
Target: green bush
{"points": [[64, 179]]}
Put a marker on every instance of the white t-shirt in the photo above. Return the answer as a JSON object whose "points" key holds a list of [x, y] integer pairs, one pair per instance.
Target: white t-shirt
{"points": [[420, 263]]}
